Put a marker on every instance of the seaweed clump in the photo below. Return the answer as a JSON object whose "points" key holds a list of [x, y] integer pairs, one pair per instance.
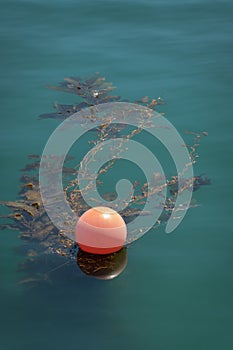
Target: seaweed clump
{"points": [[41, 239]]}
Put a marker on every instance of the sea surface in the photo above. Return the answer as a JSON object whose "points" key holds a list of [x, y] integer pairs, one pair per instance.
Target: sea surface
{"points": [[176, 291]]}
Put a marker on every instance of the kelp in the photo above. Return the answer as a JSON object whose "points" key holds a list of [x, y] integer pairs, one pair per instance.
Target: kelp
{"points": [[43, 245], [92, 91]]}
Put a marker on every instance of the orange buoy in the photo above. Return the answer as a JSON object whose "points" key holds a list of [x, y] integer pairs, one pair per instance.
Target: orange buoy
{"points": [[101, 230]]}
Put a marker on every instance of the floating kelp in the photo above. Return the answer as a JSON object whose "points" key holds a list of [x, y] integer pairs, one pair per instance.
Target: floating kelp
{"points": [[93, 91], [42, 240]]}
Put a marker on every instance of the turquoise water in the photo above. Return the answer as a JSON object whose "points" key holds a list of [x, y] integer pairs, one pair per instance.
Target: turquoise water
{"points": [[176, 291]]}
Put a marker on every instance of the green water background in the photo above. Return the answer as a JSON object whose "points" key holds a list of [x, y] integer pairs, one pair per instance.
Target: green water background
{"points": [[177, 290]]}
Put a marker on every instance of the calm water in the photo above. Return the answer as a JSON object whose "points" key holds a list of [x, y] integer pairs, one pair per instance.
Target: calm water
{"points": [[177, 290]]}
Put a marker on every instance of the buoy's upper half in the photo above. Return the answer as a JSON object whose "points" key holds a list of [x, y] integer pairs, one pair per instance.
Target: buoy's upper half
{"points": [[101, 230]]}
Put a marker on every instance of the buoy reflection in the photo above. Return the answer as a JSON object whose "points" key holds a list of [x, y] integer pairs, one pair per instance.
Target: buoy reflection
{"points": [[105, 267]]}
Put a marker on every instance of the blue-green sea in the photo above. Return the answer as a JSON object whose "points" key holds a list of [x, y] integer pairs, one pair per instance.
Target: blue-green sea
{"points": [[176, 291]]}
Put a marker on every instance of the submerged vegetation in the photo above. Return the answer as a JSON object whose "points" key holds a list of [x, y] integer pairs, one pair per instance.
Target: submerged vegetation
{"points": [[41, 239]]}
